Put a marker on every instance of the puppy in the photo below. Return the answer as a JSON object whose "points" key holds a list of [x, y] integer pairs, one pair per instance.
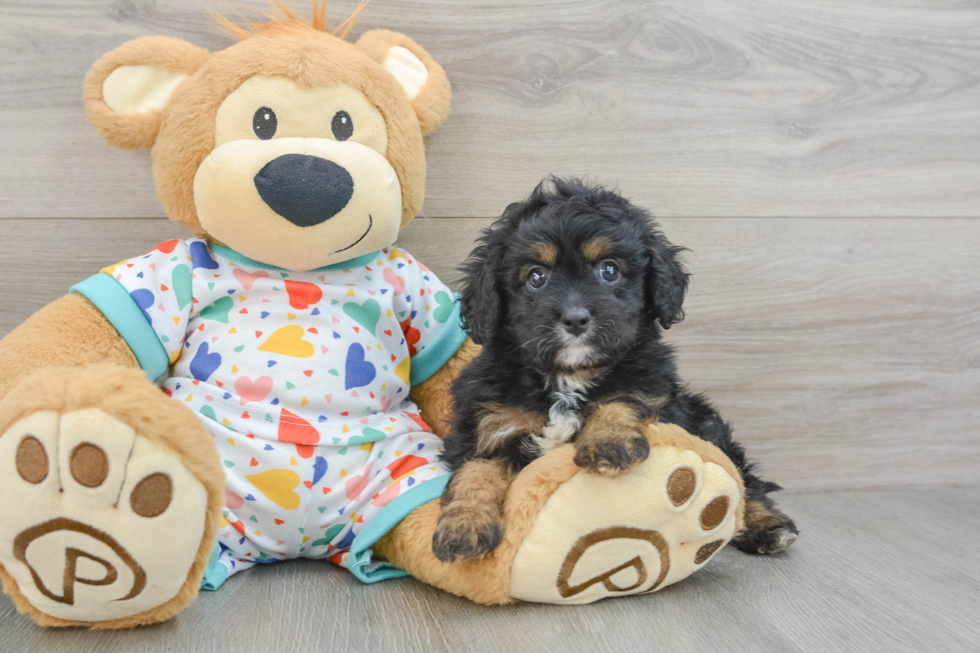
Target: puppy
{"points": [[568, 292]]}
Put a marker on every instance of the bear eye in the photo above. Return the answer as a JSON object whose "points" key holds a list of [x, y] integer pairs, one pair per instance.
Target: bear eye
{"points": [[608, 272], [264, 123], [342, 126], [537, 278]]}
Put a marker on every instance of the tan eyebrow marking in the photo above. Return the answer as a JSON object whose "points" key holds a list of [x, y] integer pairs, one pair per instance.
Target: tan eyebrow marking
{"points": [[545, 252], [597, 248]]}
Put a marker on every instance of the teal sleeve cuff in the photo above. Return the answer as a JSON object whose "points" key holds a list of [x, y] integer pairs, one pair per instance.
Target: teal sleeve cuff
{"points": [[438, 352], [359, 559], [216, 573], [110, 297]]}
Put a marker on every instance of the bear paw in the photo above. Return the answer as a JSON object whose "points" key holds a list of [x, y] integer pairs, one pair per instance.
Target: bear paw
{"points": [[599, 537], [99, 524]]}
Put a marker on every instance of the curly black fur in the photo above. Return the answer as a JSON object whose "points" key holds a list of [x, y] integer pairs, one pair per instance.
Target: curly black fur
{"points": [[526, 351]]}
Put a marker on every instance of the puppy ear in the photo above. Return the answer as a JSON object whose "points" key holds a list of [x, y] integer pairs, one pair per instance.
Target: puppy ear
{"points": [[126, 89], [423, 80], [481, 306], [666, 280]]}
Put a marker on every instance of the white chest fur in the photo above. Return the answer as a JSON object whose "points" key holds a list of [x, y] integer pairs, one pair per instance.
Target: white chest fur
{"points": [[564, 420]]}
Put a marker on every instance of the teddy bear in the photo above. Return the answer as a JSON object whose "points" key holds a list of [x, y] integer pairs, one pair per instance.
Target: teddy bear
{"points": [[275, 386]]}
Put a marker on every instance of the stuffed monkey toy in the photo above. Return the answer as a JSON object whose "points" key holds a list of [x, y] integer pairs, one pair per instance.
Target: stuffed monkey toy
{"points": [[274, 386]]}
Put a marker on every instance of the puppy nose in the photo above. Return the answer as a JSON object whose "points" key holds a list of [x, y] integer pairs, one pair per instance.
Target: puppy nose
{"points": [[306, 190], [576, 320]]}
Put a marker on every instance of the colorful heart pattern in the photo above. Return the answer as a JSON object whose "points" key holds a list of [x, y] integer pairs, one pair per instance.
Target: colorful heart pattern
{"points": [[288, 341], [219, 310], [278, 485], [201, 257], [249, 390], [358, 372], [397, 282], [203, 365], [303, 380], [143, 299], [366, 314], [248, 279], [302, 294], [295, 429], [445, 309], [182, 283]]}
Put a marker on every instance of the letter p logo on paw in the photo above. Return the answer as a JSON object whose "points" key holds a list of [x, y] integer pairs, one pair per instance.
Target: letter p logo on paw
{"points": [[99, 560], [99, 523]]}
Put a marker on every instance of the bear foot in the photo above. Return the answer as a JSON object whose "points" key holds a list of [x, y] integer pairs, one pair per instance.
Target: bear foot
{"points": [[102, 526], [599, 537], [572, 536]]}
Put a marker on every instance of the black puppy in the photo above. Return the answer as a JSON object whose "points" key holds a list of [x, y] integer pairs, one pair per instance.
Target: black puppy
{"points": [[564, 292]]}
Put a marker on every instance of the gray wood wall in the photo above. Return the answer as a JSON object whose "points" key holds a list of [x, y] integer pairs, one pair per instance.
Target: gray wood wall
{"points": [[821, 159]]}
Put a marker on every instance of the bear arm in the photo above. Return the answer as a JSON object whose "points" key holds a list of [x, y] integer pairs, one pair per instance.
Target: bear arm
{"points": [[434, 395], [69, 332]]}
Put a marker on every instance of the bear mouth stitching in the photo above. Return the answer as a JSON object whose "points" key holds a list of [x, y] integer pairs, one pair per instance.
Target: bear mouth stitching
{"points": [[363, 236]]}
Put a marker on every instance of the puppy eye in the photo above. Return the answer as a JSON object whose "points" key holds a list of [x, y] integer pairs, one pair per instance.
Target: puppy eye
{"points": [[537, 278], [342, 126], [264, 123], [608, 272]]}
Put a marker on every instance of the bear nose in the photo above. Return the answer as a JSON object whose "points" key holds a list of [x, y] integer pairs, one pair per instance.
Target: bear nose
{"points": [[306, 190], [576, 320]]}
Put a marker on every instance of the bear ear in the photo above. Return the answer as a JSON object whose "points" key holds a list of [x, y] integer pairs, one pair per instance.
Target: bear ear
{"points": [[423, 80], [126, 89]]}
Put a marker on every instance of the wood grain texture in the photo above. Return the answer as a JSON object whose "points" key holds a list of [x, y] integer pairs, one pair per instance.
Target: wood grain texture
{"points": [[874, 571], [844, 352], [708, 108]]}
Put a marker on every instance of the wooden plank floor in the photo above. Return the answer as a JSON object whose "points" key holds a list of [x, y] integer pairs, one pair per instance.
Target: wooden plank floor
{"points": [[874, 571], [707, 108]]}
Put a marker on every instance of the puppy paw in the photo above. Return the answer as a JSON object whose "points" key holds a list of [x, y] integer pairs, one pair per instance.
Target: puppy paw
{"points": [[465, 532], [767, 530], [612, 453]]}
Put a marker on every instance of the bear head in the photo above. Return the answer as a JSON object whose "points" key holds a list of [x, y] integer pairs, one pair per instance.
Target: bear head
{"points": [[293, 146]]}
